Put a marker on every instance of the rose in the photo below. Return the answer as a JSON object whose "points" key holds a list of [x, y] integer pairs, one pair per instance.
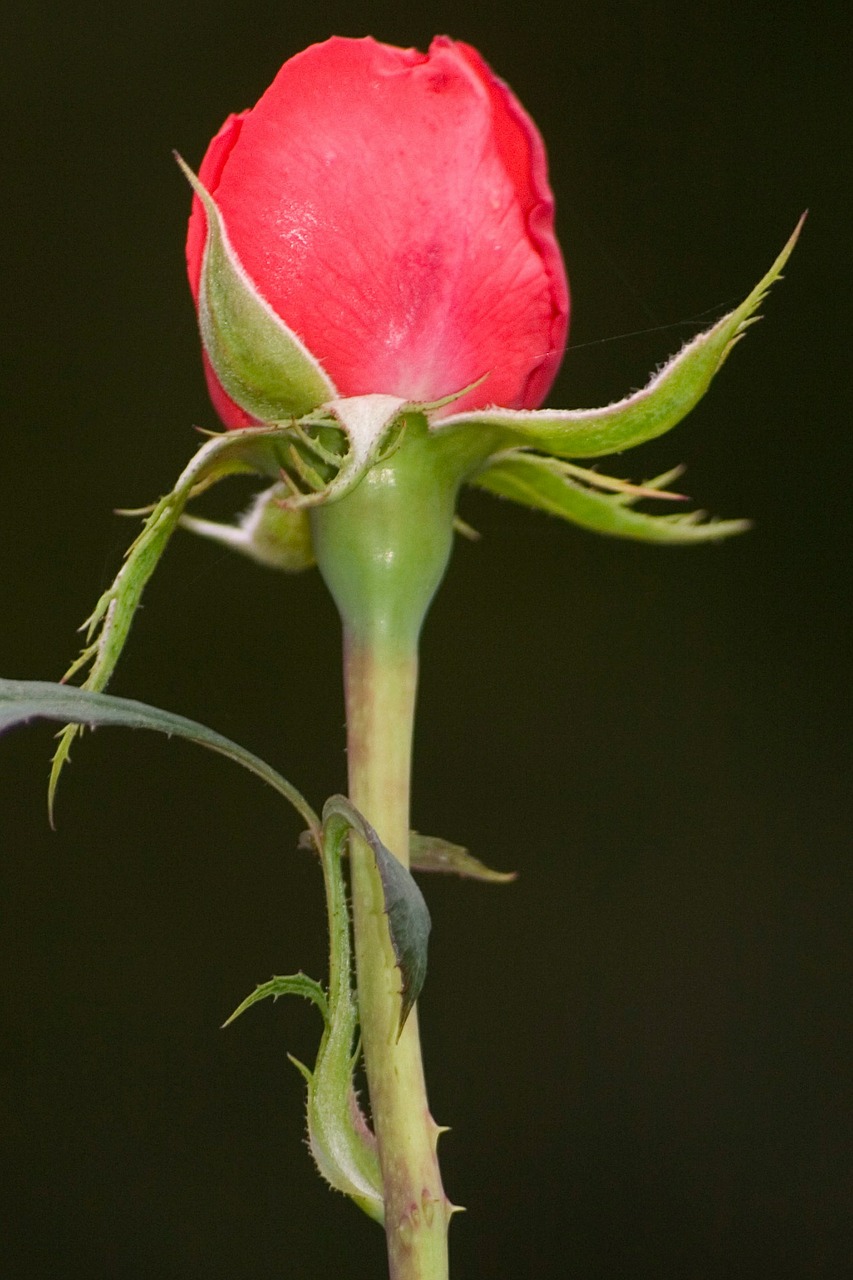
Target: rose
{"points": [[393, 209], [372, 255]]}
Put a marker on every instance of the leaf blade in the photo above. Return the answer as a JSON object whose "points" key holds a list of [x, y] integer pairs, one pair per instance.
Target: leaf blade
{"points": [[408, 916], [24, 700], [293, 984], [107, 628], [343, 1147], [431, 853]]}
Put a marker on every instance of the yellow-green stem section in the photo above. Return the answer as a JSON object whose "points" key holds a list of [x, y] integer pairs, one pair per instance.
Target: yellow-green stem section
{"points": [[382, 550], [380, 694]]}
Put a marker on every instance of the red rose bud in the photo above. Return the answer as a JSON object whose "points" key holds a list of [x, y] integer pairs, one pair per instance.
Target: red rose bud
{"points": [[389, 217]]}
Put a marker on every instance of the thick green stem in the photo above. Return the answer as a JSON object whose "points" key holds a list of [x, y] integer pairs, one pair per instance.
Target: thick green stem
{"points": [[382, 550], [380, 692]]}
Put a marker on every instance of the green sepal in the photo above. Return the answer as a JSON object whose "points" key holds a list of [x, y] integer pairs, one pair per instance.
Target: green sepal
{"points": [[345, 442], [663, 402], [271, 532], [294, 984], [372, 427], [551, 485], [259, 361], [252, 450], [25, 700], [409, 922], [431, 853]]}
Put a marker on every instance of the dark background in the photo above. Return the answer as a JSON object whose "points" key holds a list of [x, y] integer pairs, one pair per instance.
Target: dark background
{"points": [[640, 1045]]}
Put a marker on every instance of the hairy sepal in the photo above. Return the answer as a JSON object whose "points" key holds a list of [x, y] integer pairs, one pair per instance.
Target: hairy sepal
{"points": [[548, 484], [367, 423], [258, 360], [345, 439], [252, 450], [660, 405], [270, 532]]}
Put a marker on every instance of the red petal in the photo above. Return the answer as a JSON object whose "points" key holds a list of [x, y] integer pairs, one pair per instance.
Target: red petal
{"points": [[523, 153], [394, 209]]}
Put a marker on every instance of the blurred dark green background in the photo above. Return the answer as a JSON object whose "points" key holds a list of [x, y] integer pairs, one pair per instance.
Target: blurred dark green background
{"points": [[641, 1045]]}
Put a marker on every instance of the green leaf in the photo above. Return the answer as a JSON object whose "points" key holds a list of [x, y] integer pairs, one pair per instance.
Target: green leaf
{"points": [[667, 398], [253, 450], [409, 922], [340, 1139], [259, 361], [341, 1142], [430, 853], [25, 700], [342, 1145], [546, 484], [295, 984]]}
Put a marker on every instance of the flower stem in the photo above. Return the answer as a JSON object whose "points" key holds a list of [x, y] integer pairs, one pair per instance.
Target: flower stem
{"points": [[380, 695], [382, 550]]}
